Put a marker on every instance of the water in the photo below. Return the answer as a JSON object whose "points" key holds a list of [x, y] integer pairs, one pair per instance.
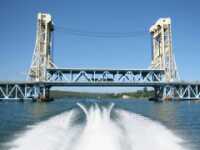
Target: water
{"points": [[88, 124]]}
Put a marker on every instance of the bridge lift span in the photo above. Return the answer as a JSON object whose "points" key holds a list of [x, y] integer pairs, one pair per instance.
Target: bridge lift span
{"points": [[43, 74]]}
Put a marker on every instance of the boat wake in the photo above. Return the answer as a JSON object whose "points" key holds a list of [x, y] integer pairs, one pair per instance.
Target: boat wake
{"points": [[101, 130]]}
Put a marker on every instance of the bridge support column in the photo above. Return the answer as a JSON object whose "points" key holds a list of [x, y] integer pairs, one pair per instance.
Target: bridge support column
{"points": [[164, 93], [168, 93], [158, 91], [44, 95]]}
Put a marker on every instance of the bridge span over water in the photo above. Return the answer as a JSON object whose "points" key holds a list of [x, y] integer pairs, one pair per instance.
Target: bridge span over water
{"points": [[43, 74]]}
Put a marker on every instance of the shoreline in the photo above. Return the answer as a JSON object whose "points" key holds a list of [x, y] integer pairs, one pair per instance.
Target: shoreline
{"points": [[140, 95]]}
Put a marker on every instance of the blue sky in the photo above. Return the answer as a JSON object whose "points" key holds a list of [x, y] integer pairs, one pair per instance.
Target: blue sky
{"points": [[18, 27]]}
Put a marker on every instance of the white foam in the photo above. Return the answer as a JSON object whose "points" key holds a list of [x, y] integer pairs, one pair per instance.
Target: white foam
{"points": [[129, 132], [100, 132], [48, 135], [142, 133]]}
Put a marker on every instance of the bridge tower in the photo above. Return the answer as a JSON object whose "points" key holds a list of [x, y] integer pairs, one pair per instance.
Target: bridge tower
{"points": [[162, 53], [42, 59]]}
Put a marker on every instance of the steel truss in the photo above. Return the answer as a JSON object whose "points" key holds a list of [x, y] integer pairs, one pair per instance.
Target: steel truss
{"points": [[42, 55], [181, 91], [104, 75], [162, 51], [39, 90], [21, 91]]}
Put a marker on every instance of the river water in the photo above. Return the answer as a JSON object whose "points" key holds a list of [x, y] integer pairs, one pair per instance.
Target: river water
{"points": [[92, 124]]}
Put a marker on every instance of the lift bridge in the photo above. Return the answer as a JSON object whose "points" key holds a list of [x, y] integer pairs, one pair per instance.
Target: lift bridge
{"points": [[43, 74]]}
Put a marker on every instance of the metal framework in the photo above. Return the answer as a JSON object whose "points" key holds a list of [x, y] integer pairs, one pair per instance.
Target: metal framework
{"points": [[39, 90], [42, 59], [182, 91], [162, 53], [22, 90], [72, 75]]}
